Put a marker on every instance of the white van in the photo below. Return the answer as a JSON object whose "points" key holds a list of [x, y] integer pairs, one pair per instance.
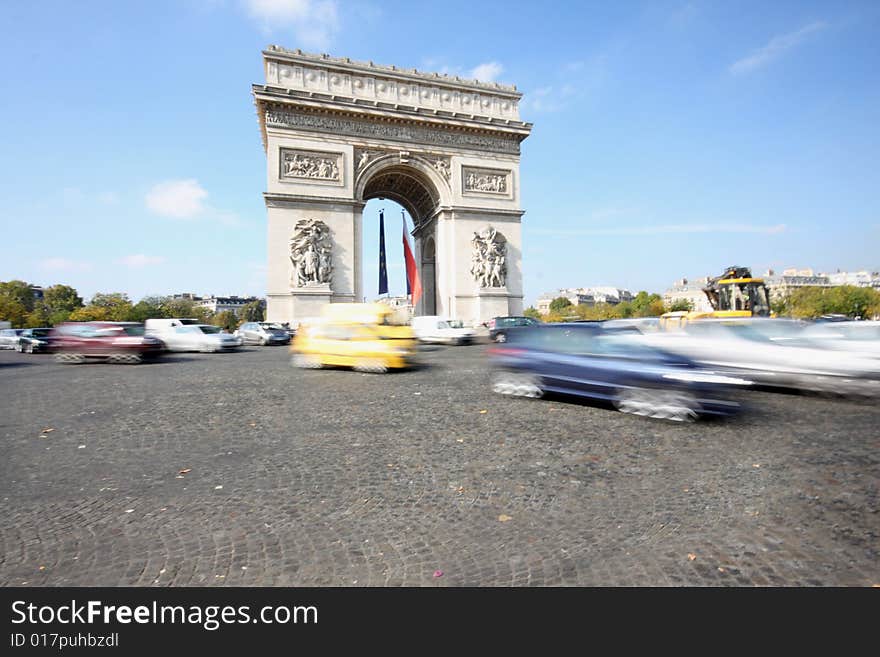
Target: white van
{"points": [[433, 328], [163, 327]]}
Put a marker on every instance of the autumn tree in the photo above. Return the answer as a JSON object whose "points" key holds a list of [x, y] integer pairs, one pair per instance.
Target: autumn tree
{"points": [[16, 302]]}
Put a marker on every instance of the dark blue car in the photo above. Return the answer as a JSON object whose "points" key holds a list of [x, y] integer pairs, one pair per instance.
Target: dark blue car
{"points": [[589, 361]]}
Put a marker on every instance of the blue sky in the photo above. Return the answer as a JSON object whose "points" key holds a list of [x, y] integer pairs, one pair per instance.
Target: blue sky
{"points": [[670, 138]]}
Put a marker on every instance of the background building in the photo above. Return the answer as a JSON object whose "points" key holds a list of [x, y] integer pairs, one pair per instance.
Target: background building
{"points": [[587, 296], [221, 304], [690, 291]]}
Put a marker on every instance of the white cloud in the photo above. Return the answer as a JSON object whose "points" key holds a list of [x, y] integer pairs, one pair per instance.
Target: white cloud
{"points": [[667, 230], [140, 260], [314, 22], [181, 199], [487, 72], [774, 48], [65, 264]]}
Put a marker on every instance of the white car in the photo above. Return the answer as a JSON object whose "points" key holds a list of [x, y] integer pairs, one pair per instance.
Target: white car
{"points": [[770, 352], [9, 338], [199, 337], [433, 328], [861, 337]]}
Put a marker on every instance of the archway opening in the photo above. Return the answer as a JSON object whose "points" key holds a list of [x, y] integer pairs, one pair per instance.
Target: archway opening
{"points": [[404, 194]]}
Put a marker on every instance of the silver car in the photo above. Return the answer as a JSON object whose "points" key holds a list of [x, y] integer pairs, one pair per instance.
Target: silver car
{"points": [[33, 340], [263, 333], [199, 337], [9, 338]]}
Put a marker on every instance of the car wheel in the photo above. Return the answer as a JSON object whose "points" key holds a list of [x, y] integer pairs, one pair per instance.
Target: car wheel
{"points": [[69, 358], [517, 384], [673, 405], [306, 362], [29, 349], [371, 366], [18, 347], [501, 337], [207, 348], [264, 342]]}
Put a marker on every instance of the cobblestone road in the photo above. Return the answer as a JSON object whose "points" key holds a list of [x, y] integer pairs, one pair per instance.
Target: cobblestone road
{"points": [[334, 478]]}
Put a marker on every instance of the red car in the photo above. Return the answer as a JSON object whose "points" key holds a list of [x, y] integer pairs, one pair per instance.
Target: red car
{"points": [[113, 342]]}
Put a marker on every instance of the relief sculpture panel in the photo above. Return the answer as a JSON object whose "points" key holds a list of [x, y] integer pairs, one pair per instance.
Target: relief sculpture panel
{"points": [[311, 166]]}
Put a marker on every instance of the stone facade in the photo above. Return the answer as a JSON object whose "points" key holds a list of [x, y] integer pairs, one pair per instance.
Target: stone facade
{"points": [[690, 291], [338, 133]]}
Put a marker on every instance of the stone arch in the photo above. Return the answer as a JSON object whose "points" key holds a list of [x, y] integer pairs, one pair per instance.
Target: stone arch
{"points": [[412, 183], [338, 133]]}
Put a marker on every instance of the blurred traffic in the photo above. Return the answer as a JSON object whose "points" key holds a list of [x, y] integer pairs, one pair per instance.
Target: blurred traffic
{"points": [[586, 360], [680, 366], [366, 337]]}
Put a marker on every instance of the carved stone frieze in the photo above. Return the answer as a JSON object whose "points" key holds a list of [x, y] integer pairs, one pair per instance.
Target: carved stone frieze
{"points": [[311, 165], [311, 249], [485, 181], [287, 118]]}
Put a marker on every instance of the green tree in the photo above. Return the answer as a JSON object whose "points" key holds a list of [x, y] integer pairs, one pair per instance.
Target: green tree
{"points": [[13, 311], [18, 291], [680, 305], [16, 302], [147, 308], [227, 319], [532, 312], [61, 297], [117, 305], [252, 312], [185, 308], [559, 304], [646, 305]]}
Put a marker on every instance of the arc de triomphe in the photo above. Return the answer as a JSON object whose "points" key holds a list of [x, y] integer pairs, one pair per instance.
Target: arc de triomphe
{"points": [[338, 133]]}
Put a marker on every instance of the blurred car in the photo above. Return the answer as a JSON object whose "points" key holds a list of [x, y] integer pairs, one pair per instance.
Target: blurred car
{"points": [[114, 342], [586, 361], [862, 337], [634, 324], [9, 338], [200, 337], [500, 327], [264, 333], [436, 329], [771, 352], [362, 336], [33, 340]]}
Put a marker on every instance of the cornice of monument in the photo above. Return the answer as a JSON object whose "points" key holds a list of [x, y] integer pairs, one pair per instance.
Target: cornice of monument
{"points": [[369, 68], [390, 111]]}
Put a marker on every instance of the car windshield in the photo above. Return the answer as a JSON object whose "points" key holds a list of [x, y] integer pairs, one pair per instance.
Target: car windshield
{"points": [[273, 326], [210, 330], [455, 323], [133, 330], [40, 332]]}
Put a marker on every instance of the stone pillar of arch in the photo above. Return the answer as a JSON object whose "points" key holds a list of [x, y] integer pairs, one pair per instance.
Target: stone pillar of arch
{"points": [[338, 133]]}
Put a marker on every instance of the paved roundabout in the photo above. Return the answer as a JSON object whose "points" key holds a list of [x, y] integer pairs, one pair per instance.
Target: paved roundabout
{"points": [[238, 469]]}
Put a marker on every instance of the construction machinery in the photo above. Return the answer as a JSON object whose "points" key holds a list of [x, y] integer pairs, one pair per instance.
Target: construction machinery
{"points": [[735, 293]]}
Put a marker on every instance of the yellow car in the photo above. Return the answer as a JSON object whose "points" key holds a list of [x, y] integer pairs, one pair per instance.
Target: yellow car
{"points": [[361, 336]]}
